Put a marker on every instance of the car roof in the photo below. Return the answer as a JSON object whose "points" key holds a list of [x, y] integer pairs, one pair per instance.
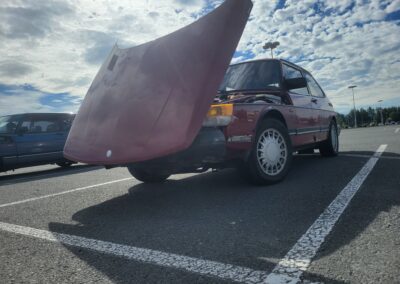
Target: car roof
{"points": [[42, 114], [272, 59]]}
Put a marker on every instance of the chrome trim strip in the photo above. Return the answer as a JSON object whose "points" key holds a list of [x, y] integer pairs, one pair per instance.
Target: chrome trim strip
{"points": [[47, 153]]}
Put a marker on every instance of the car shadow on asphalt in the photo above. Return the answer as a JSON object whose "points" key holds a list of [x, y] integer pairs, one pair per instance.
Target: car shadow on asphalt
{"points": [[46, 174], [217, 216]]}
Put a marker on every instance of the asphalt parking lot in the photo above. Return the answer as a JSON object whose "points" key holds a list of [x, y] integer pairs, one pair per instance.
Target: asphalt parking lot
{"points": [[332, 220]]}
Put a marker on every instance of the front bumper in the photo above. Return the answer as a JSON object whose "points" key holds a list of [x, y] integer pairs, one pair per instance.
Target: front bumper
{"points": [[208, 149]]}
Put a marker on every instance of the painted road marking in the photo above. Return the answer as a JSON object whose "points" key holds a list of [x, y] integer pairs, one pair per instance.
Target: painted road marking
{"points": [[191, 264], [9, 180], [298, 259], [369, 156], [62, 193], [397, 130]]}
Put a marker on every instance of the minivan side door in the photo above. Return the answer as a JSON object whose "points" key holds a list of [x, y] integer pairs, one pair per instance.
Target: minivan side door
{"points": [[8, 148], [40, 139]]}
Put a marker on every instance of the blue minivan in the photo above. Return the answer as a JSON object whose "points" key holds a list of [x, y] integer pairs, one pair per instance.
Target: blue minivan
{"points": [[32, 139]]}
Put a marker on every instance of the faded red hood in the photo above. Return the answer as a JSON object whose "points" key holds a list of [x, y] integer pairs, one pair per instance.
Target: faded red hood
{"points": [[150, 100]]}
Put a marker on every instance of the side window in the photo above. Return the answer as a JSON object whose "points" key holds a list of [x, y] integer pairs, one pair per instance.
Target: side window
{"points": [[45, 125], [66, 123], [291, 73], [8, 125], [315, 90], [39, 125], [25, 126]]}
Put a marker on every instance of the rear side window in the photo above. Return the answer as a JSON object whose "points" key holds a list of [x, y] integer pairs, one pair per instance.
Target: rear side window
{"points": [[314, 88], [40, 125], [66, 123], [292, 73], [45, 126]]}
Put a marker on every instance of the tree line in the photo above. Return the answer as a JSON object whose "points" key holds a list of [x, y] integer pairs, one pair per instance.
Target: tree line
{"points": [[369, 117]]}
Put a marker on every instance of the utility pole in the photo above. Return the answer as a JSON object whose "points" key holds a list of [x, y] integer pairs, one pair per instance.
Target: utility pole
{"points": [[354, 105], [380, 101], [271, 45]]}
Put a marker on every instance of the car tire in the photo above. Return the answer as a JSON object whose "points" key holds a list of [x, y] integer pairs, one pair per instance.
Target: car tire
{"points": [[270, 158], [330, 147], [147, 176], [64, 164]]}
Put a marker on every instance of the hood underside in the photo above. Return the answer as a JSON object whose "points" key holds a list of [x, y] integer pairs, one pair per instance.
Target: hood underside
{"points": [[150, 100]]}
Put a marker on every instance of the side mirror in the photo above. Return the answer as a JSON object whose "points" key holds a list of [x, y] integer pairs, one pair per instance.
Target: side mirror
{"points": [[295, 83]]}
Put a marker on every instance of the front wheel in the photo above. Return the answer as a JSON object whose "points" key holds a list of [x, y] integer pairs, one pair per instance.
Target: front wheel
{"points": [[330, 147], [271, 155], [147, 176], [64, 164]]}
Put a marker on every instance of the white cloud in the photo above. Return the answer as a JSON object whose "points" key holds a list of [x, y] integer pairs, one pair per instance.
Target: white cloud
{"points": [[58, 46]]}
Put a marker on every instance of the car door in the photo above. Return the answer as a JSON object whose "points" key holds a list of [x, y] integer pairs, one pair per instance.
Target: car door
{"points": [[321, 104], [307, 116], [8, 148], [40, 139]]}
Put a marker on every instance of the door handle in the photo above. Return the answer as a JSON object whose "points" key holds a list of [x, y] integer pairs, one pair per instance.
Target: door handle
{"points": [[314, 100]]}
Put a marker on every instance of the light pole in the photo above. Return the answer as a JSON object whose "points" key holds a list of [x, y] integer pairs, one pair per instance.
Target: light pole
{"points": [[271, 45], [380, 103], [354, 105]]}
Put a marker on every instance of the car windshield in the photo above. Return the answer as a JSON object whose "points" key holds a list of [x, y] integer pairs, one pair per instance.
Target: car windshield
{"points": [[6, 125], [252, 76]]}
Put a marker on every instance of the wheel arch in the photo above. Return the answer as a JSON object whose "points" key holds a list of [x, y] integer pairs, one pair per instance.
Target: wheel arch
{"points": [[273, 113]]}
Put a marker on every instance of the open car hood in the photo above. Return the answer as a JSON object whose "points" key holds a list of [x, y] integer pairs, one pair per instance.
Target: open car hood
{"points": [[150, 100]]}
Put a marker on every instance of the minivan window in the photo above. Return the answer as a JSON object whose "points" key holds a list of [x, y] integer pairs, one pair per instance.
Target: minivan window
{"points": [[45, 125], [40, 125], [292, 73], [8, 124], [66, 123]]}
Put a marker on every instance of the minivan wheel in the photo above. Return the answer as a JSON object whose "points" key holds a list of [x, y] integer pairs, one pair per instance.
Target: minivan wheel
{"points": [[271, 155], [147, 176], [330, 147], [64, 164]]}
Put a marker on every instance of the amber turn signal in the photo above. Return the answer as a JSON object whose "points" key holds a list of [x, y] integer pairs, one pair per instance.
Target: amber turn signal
{"points": [[220, 110]]}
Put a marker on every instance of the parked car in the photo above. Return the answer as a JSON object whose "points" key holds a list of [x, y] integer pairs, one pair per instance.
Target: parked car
{"points": [[33, 139], [146, 108], [265, 111]]}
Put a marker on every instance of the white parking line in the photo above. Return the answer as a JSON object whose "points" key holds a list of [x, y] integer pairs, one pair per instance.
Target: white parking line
{"points": [[61, 193], [397, 130], [34, 176], [191, 264], [298, 259], [369, 156]]}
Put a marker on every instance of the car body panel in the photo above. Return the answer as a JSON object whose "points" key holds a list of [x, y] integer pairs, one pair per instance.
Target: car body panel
{"points": [[307, 119], [150, 101]]}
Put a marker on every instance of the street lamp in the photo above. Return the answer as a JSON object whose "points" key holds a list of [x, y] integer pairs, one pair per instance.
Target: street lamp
{"points": [[271, 45], [354, 105], [380, 101]]}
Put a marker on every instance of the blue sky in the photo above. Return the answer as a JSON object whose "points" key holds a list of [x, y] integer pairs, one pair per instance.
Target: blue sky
{"points": [[51, 50]]}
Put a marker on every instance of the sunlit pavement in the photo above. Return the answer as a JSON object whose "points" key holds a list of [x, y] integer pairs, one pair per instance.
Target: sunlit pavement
{"points": [[88, 224]]}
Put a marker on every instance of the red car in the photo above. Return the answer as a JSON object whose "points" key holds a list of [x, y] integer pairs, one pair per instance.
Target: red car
{"points": [[148, 107], [265, 111]]}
